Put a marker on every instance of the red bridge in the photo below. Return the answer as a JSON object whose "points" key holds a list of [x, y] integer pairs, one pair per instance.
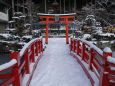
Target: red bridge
{"points": [[82, 65]]}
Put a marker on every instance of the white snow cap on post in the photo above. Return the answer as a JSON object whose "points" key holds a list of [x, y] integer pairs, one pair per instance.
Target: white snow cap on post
{"points": [[107, 49], [110, 59]]}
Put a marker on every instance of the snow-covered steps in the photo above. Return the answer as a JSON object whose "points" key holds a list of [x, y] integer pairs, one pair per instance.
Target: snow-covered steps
{"points": [[58, 68]]}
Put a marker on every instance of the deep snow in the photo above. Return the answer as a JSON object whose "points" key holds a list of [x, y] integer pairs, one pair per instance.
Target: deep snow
{"points": [[58, 68]]}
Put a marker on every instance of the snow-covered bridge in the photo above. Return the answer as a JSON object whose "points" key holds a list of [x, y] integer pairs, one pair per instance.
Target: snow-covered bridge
{"points": [[82, 65]]}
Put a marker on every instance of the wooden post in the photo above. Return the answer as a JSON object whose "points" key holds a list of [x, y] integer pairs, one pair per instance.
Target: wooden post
{"points": [[27, 62], [71, 45], [78, 44], [36, 45], [33, 53], [83, 51], [15, 70], [41, 45], [75, 46], [92, 53], [104, 80]]}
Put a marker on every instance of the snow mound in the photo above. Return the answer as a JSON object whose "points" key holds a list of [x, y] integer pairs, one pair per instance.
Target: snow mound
{"points": [[107, 49], [85, 36], [5, 35]]}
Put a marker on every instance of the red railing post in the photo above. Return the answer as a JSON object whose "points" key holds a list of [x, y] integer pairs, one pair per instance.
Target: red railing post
{"points": [[83, 51], [27, 63], [33, 52], [15, 70], [104, 81], [92, 53], [78, 45], [75, 46], [36, 45], [71, 44], [41, 45]]}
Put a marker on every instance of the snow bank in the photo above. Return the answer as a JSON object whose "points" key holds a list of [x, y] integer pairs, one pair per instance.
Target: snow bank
{"points": [[15, 17], [110, 59], [18, 13], [85, 36], [107, 34], [11, 21], [27, 24], [5, 35], [28, 37], [7, 65], [22, 16], [35, 31]]}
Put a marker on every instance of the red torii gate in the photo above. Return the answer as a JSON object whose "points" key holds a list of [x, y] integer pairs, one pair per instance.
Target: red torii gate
{"points": [[51, 18]]}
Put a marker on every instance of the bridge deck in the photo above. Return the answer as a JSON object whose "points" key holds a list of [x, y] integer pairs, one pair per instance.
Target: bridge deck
{"points": [[58, 68]]}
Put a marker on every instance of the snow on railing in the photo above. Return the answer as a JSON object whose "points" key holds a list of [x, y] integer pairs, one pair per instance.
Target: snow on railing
{"points": [[8, 65], [111, 70], [22, 63], [110, 59], [93, 59], [93, 46], [9, 77], [27, 45]]}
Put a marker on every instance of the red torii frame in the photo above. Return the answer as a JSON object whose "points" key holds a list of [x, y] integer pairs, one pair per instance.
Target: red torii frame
{"points": [[66, 21]]}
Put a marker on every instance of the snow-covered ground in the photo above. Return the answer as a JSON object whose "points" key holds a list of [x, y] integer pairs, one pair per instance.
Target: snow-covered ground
{"points": [[58, 68]]}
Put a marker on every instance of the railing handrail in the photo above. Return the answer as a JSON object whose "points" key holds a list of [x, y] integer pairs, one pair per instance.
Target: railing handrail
{"points": [[101, 63], [27, 45], [20, 63], [91, 45], [8, 65]]}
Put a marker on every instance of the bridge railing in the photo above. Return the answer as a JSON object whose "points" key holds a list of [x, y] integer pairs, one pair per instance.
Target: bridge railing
{"points": [[94, 59], [20, 62]]}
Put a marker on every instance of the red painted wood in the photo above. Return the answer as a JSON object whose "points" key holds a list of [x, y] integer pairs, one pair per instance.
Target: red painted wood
{"points": [[6, 83], [27, 62], [5, 76], [16, 77], [46, 33], [48, 21], [106, 74], [67, 38]]}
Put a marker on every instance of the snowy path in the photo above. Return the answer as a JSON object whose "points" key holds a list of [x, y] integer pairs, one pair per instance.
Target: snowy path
{"points": [[58, 68]]}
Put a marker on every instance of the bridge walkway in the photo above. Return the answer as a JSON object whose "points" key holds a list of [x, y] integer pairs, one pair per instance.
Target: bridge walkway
{"points": [[58, 68]]}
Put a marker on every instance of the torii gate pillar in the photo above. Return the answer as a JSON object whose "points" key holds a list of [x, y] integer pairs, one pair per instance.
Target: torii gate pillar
{"points": [[67, 38], [46, 40]]}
